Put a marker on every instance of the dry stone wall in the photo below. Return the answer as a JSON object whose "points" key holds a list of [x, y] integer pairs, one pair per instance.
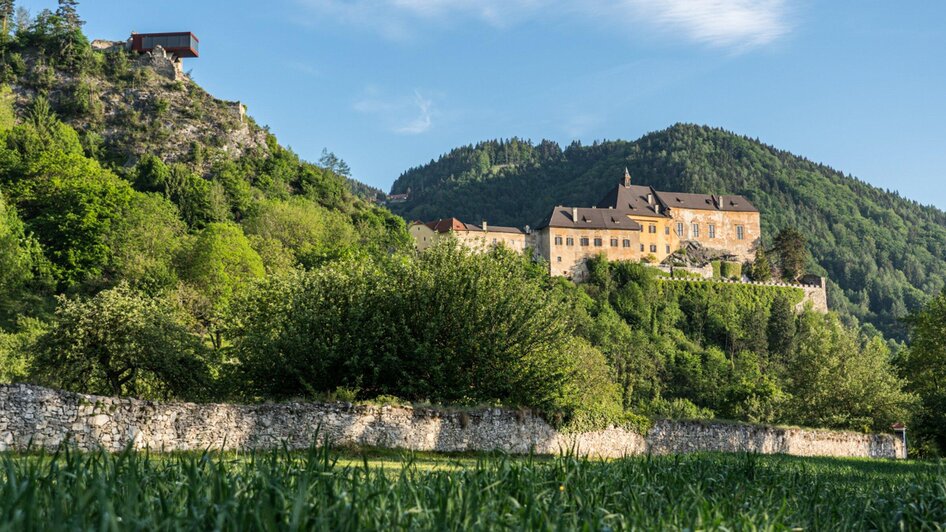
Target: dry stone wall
{"points": [[36, 417]]}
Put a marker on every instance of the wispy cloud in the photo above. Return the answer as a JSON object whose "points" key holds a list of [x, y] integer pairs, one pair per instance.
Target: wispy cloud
{"points": [[402, 115], [718, 23], [423, 122], [723, 23]]}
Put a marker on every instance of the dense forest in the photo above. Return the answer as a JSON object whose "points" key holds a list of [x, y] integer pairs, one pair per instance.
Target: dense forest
{"points": [[884, 255], [131, 267]]}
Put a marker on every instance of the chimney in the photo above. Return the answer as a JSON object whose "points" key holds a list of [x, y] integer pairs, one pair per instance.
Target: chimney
{"points": [[657, 208], [627, 177], [575, 214], [650, 199], [485, 227]]}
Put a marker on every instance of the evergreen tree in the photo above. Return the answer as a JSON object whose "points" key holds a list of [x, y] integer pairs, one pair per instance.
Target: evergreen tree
{"points": [[6, 14], [781, 327], [69, 14], [792, 253], [761, 269]]}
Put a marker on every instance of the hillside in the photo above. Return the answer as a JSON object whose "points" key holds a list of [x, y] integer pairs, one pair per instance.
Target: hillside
{"points": [[116, 167], [884, 254]]}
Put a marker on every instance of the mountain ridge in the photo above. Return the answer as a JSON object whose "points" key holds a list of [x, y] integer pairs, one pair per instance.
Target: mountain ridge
{"points": [[515, 182]]}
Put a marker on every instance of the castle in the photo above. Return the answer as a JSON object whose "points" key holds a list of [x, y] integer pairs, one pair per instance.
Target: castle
{"points": [[631, 222]]}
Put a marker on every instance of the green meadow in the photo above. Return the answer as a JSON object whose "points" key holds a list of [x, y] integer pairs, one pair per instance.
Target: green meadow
{"points": [[325, 489]]}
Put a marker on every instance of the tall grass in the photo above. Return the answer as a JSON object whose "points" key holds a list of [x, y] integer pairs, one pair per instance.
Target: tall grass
{"points": [[279, 490]]}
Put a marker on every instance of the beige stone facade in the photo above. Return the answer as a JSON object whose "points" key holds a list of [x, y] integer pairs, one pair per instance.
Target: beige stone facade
{"points": [[478, 237], [632, 222], [567, 249], [660, 223]]}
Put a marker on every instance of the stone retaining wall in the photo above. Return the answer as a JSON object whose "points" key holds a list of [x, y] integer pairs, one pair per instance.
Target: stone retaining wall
{"points": [[40, 417]]}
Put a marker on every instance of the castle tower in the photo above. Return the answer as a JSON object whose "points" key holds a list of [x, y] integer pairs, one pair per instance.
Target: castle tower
{"points": [[627, 177]]}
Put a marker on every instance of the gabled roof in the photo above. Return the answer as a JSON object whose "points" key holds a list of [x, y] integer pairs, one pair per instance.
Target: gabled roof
{"points": [[633, 200], [445, 225], [706, 202], [589, 218]]}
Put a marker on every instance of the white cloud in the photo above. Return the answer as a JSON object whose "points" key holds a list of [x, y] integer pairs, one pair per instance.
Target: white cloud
{"points": [[423, 122], [724, 23], [720, 23], [402, 115]]}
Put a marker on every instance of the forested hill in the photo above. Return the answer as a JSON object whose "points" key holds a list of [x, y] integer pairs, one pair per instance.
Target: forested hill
{"points": [[884, 254], [114, 171]]}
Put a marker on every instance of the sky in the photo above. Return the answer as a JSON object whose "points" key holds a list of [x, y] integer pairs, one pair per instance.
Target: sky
{"points": [[391, 84]]}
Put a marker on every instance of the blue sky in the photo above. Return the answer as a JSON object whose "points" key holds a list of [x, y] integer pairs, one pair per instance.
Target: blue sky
{"points": [[390, 84]]}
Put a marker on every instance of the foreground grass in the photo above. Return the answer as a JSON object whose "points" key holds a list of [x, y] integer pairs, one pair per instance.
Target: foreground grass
{"points": [[323, 490]]}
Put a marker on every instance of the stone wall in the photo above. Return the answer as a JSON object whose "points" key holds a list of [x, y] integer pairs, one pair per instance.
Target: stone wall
{"points": [[40, 417]]}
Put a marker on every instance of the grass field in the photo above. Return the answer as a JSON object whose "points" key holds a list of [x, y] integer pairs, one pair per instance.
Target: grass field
{"points": [[324, 490]]}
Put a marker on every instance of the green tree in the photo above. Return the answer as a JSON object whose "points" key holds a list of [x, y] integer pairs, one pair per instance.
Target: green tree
{"points": [[121, 342], [781, 328], [311, 232], [761, 269], [21, 263], [7, 10], [924, 368], [451, 326], [69, 13], [216, 266], [841, 379], [790, 247]]}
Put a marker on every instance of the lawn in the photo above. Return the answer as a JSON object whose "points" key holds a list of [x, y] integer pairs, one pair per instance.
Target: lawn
{"points": [[384, 490]]}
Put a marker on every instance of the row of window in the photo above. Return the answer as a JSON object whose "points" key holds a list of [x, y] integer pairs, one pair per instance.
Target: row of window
{"points": [[584, 241], [652, 228], [711, 231]]}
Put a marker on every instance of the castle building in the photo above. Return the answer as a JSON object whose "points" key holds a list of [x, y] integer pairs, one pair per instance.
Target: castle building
{"points": [[476, 237], [631, 222], [635, 222]]}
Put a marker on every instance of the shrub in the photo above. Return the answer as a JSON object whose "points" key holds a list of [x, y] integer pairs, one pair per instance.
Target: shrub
{"points": [[729, 270]]}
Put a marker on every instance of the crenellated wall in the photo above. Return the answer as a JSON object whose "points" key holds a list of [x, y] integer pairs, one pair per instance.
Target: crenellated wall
{"points": [[44, 418]]}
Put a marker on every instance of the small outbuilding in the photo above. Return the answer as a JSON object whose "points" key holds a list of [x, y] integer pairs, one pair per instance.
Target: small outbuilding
{"points": [[180, 44]]}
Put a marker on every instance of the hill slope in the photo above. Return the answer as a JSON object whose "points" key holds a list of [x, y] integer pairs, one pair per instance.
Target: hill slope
{"points": [[116, 167], [884, 254]]}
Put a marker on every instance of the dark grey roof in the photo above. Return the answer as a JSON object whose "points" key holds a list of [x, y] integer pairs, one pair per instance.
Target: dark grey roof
{"points": [[589, 218], [490, 228], [707, 202], [632, 199]]}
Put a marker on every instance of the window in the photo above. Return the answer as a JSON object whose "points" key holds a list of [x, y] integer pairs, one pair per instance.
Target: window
{"points": [[740, 232], [626, 243], [712, 231], [653, 248], [597, 242], [558, 241], [584, 241], [494, 241], [695, 231], [614, 242], [668, 250], [652, 229], [642, 248], [569, 241], [560, 259], [680, 229], [667, 230]]}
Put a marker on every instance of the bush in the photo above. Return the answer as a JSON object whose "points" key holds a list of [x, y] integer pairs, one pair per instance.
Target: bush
{"points": [[452, 326], [729, 270], [121, 342], [717, 269], [678, 408]]}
